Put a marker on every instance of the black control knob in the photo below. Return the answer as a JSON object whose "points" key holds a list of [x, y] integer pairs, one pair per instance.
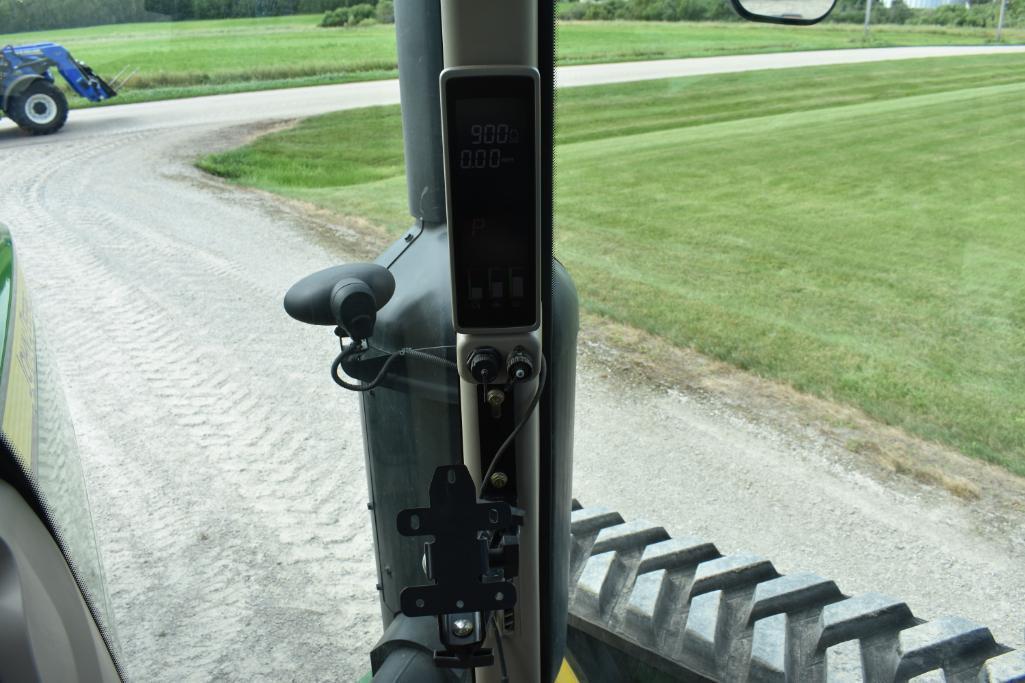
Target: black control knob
{"points": [[484, 364], [520, 365]]}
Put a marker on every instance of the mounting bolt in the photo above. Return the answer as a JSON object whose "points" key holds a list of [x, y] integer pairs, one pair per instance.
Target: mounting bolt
{"points": [[499, 480], [495, 398], [462, 628]]}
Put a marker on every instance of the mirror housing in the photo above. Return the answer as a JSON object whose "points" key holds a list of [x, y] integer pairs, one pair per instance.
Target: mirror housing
{"points": [[796, 12], [348, 296]]}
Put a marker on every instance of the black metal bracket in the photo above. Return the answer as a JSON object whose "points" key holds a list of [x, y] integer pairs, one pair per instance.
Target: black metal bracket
{"points": [[366, 364], [466, 587], [463, 650], [457, 559]]}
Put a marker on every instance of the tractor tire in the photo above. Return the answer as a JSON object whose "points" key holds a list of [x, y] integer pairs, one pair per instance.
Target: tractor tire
{"points": [[40, 109], [647, 607]]}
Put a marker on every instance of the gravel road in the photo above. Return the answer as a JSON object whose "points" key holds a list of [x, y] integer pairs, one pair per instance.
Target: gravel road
{"points": [[227, 470]]}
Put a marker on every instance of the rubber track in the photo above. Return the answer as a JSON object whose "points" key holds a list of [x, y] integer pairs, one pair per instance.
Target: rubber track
{"points": [[691, 612]]}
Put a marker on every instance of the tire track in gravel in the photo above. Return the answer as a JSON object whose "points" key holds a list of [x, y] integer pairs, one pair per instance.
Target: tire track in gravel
{"points": [[257, 521]]}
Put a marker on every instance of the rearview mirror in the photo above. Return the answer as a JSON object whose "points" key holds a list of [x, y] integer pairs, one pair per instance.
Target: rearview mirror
{"points": [[784, 11]]}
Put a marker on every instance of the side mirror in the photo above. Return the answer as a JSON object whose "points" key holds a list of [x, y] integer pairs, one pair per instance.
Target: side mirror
{"points": [[348, 296], [801, 12]]}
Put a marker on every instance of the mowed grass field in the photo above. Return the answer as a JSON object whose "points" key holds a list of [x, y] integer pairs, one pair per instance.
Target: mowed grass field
{"points": [[190, 58], [855, 231]]}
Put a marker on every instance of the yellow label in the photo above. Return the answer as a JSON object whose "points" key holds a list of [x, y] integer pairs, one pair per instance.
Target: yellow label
{"points": [[20, 404], [566, 674]]}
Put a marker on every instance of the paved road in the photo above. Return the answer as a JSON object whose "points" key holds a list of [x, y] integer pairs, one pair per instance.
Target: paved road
{"points": [[226, 469]]}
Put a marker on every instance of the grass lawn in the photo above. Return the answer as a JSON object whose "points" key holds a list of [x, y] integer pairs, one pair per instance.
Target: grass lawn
{"points": [[190, 58], [620, 41], [856, 231]]}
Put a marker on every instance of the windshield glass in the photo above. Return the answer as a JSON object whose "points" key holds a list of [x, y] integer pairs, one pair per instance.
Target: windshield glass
{"points": [[37, 428], [798, 255], [60, 477]]}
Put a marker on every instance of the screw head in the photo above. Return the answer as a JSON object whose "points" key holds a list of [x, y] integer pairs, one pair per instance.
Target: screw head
{"points": [[462, 628], [499, 480]]}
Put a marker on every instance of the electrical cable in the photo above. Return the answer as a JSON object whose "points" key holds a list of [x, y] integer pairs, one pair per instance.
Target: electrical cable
{"points": [[421, 352], [431, 358], [418, 348], [541, 377], [395, 355], [501, 650]]}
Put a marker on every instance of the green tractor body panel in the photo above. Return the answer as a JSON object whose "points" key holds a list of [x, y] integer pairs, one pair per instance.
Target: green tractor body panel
{"points": [[18, 360], [53, 576], [6, 288]]}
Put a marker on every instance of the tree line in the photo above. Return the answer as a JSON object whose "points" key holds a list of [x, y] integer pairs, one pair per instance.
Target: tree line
{"points": [[649, 10], [17, 16], [38, 15], [979, 13], [233, 9], [359, 13]]}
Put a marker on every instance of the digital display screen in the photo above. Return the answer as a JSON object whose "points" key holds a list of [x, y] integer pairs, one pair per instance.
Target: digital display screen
{"points": [[493, 185]]}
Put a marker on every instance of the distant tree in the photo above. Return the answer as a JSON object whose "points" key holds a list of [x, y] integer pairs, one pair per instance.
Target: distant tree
{"points": [[211, 9], [32, 15], [899, 13], [650, 10], [336, 17], [360, 12], [349, 16], [315, 6], [170, 9], [386, 12]]}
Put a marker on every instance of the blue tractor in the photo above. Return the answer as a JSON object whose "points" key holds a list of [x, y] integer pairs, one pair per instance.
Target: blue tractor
{"points": [[30, 96]]}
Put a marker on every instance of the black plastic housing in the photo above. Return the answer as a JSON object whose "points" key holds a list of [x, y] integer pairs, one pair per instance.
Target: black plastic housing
{"points": [[46, 629], [412, 423]]}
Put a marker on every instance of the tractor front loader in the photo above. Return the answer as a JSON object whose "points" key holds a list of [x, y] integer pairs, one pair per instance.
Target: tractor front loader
{"points": [[29, 95]]}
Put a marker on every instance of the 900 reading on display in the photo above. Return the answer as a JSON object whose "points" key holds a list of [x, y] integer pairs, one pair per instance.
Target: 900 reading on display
{"points": [[489, 157]]}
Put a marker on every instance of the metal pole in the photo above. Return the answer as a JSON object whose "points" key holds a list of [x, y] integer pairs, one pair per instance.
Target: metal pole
{"points": [[1000, 22], [418, 38], [868, 16]]}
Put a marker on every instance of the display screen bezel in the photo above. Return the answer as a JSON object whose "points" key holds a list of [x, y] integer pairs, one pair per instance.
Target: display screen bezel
{"points": [[482, 83]]}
